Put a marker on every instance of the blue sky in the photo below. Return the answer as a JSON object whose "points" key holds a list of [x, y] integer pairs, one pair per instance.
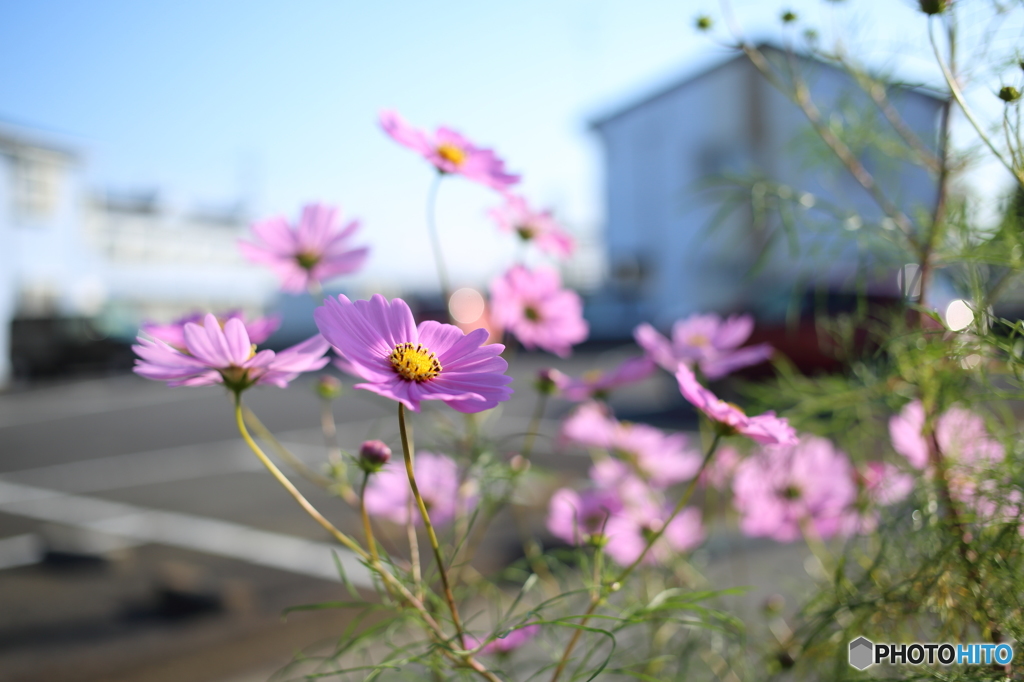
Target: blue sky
{"points": [[277, 103]]}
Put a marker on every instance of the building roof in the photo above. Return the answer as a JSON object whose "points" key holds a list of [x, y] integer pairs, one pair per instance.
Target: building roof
{"points": [[702, 72]]}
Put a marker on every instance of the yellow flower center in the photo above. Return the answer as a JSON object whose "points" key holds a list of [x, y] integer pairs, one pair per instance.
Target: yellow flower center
{"points": [[450, 152], [414, 363], [699, 340]]}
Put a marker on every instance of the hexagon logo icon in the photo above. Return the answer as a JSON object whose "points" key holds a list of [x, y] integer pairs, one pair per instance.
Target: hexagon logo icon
{"points": [[861, 653]]}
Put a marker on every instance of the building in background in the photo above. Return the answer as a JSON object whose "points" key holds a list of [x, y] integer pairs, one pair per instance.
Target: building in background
{"points": [[667, 257], [77, 267]]}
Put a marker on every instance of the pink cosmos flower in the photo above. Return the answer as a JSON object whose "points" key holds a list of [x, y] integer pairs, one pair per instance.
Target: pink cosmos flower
{"points": [[511, 641], [388, 493], [660, 459], [720, 470], [173, 334], [705, 341], [905, 433], [576, 517], [534, 306], [781, 487], [881, 484], [309, 253], [215, 355], [596, 385], [450, 152], [766, 428], [382, 344], [539, 227], [628, 534]]}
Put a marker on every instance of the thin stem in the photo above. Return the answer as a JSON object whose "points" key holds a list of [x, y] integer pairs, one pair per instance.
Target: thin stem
{"points": [[263, 433], [968, 112], [414, 550], [616, 584], [538, 415], [435, 239], [330, 431], [434, 545], [367, 528], [433, 626]]}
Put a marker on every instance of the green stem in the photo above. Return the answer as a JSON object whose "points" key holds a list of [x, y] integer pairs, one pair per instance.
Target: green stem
{"points": [[433, 626], [616, 584], [531, 434], [434, 545], [435, 240]]}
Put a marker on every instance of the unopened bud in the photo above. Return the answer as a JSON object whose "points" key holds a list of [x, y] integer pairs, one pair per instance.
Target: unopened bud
{"points": [[597, 540], [788, 17], [933, 6], [328, 387], [548, 381], [519, 464], [704, 23], [1008, 93], [373, 455], [774, 605]]}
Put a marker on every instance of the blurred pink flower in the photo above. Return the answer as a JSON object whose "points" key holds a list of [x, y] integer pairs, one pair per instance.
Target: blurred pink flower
{"points": [[173, 333], [507, 644], [381, 343], [720, 470], [309, 253], [658, 458], [766, 428], [782, 487], [705, 341], [537, 310], [576, 517], [215, 355], [539, 227], [961, 436], [388, 493], [450, 152], [881, 485], [629, 532], [596, 385]]}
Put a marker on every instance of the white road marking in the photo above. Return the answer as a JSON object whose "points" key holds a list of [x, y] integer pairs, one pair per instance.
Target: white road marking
{"points": [[20, 550], [196, 533]]}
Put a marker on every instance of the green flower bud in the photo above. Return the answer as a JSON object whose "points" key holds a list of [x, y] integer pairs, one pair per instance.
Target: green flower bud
{"points": [[932, 6], [328, 387], [788, 17], [1008, 93], [704, 23]]}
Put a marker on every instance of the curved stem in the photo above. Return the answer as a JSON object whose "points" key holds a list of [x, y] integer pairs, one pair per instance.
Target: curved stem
{"points": [[968, 112], [435, 239], [603, 593], [414, 551], [531, 434], [434, 545], [433, 626], [263, 433]]}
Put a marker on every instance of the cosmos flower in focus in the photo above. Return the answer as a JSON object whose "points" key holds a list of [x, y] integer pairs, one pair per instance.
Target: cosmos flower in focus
{"points": [[305, 255], [450, 152], [173, 333], [766, 428], [533, 306], [705, 341], [388, 493], [534, 226], [783, 487], [381, 343], [215, 355]]}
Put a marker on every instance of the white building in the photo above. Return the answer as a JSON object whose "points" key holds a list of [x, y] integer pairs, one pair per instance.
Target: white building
{"points": [[666, 261], [118, 259]]}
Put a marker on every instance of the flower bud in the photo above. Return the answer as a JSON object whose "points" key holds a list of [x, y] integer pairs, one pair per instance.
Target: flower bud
{"points": [[704, 23], [373, 455], [932, 6], [1008, 93], [788, 17], [328, 387], [519, 464], [548, 381]]}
